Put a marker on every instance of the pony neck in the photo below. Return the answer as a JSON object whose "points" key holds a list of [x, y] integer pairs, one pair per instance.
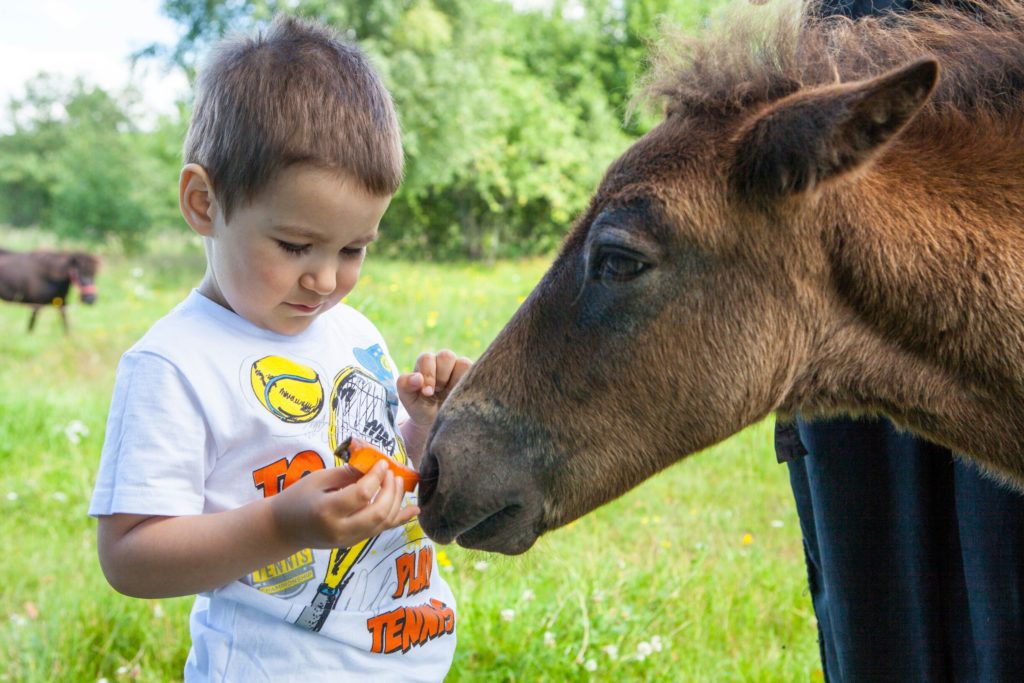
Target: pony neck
{"points": [[923, 316]]}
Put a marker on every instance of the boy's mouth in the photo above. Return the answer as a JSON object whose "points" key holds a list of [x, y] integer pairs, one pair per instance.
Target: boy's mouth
{"points": [[302, 308]]}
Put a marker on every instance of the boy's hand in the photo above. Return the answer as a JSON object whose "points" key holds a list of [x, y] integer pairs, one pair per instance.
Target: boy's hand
{"points": [[338, 507], [423, 390]]}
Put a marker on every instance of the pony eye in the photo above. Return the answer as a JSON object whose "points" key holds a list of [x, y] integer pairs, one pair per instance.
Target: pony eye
{"points": [[618, 266]]}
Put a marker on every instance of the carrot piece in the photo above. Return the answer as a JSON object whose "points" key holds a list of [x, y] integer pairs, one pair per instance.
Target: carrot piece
{"points": [[362, 456]]}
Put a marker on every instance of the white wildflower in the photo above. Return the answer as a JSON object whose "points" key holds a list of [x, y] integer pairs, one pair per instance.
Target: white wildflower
{"points": [[508, 614], [590, 665], [611, 650], [122, 670], [137, 272], [59, 496], [777, 523], [549, 638], [656, 643], [12, 496], [481, 565], [527, 595], [158, 611], [75, 430], [643, 649], [18, 620]]}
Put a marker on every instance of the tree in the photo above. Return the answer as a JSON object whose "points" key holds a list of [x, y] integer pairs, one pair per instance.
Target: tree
{"points": [[75, 163], [500, 161], [30, 152], [509, 117]]}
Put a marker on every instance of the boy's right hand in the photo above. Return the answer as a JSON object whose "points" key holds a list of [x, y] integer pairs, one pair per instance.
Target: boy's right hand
{"points": [[338, 507]]}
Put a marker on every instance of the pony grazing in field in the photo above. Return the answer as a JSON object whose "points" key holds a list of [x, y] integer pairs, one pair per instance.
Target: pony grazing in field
{"points": [[829, 220], [43, 278]]}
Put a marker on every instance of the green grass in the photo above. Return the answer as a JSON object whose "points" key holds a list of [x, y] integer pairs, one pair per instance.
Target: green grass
{"points": [[704, 558]]}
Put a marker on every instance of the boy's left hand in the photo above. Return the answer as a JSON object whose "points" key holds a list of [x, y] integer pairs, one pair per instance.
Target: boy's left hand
{"points": [[423, 390]]}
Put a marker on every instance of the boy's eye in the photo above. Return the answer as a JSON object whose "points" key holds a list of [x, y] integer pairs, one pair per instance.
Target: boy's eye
{"points": [[353, 251], [292, 248]]}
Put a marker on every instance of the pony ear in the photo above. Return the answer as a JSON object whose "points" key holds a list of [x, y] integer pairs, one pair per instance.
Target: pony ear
{"points": [[810, 138]]}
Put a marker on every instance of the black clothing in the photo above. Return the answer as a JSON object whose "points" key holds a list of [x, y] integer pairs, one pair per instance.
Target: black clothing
{"points": [[915, 561]]}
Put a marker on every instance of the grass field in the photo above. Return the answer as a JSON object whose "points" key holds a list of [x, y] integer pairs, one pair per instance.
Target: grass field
{"points": [[696, 575]]}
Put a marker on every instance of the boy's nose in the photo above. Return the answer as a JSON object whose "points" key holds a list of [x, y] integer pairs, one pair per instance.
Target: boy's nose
{"points": [[322, 281]]}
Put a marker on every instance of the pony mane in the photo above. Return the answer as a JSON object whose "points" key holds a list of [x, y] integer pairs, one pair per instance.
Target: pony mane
{"points": [[750, 55]]}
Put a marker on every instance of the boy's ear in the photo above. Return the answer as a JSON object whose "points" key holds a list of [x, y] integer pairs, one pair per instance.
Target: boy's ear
{"points": [[195, 199]]}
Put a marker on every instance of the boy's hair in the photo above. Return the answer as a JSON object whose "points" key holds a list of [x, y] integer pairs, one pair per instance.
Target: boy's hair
{"points": [[298, 94]]}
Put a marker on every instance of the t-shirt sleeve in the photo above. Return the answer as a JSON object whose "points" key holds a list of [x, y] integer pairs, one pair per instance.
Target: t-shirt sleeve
{"points": [[156, 452]]}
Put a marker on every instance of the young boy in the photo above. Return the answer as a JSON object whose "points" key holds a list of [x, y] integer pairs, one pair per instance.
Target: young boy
{"points": [[218, 475]]}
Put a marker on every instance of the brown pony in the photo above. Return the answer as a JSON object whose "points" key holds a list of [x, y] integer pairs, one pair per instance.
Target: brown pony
{"points": [[44, 278], [829, 220]]}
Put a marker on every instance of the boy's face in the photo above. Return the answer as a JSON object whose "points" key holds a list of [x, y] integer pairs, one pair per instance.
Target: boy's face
{"points": [[293, 252]]}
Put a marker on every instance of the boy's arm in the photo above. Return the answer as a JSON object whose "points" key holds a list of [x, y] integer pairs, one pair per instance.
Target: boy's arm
{"points": [[155, 557], [161, 557]]}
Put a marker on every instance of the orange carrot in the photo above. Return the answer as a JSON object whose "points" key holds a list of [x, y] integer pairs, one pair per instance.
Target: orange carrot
{"points": [[362, 456]]}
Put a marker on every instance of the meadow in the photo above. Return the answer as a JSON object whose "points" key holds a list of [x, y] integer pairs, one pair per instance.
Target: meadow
{"points": [[696, 575]]}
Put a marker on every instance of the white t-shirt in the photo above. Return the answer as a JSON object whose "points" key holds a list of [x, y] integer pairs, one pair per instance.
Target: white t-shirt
{"points": [[211, 412]]}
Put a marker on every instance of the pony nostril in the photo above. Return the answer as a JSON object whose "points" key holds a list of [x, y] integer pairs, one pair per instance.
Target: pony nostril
{"points": [[430, 470]]}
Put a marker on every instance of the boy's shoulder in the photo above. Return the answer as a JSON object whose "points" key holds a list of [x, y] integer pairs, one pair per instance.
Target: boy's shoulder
{"points": [[193, 321]]}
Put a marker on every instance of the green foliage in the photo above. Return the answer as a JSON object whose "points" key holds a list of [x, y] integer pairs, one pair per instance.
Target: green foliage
{"points": [[494, 162], [95, 193], [75, 163], [509, 118], [157, 156], [29, 152]]}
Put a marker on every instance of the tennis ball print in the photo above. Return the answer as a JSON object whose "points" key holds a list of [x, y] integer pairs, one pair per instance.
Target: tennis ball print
{"points": [[289, 390]]}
